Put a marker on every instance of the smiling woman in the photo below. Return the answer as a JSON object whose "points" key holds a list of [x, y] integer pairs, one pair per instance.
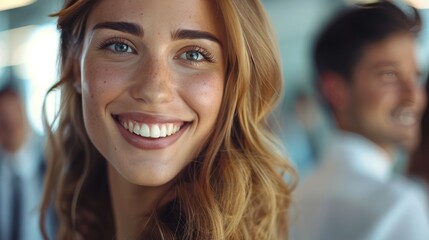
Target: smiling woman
{"points": [[162, 131]]}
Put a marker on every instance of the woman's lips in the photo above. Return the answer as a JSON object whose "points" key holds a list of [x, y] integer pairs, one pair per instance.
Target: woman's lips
{"points": [[149, 132], [157, 130]]}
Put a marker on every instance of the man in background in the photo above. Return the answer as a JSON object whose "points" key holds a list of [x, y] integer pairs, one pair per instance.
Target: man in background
{"points": [[369, 76], [21, 169]]}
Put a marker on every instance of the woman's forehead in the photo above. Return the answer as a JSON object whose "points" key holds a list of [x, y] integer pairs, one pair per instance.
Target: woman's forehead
{"points": [[173, 14]]}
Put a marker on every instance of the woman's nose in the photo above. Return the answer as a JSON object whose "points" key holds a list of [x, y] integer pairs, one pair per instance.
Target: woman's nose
{"points": [[152, 82]]}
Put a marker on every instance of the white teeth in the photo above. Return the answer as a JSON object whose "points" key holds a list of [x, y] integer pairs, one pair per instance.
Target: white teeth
{"points": [[405, 117], [163, 132], [144, 130], [130, 126], [152, 131], [136, 129], [170, 129], [155, 131]]}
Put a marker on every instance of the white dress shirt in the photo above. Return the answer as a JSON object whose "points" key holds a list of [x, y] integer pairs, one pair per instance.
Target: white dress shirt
{"points": [[26, 164], [353, 195]]}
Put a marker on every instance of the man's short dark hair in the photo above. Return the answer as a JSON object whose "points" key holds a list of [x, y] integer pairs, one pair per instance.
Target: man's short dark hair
{"points": [[341, 43], [9, 88]]}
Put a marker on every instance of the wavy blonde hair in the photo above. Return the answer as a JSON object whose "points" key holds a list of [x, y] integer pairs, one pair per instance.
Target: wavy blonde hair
{"points": [[235, 189]]}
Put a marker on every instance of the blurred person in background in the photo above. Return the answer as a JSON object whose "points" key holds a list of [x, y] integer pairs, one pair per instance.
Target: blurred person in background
{"points": [[303, 129], [418, 165], [368, 75], [21, 169]]}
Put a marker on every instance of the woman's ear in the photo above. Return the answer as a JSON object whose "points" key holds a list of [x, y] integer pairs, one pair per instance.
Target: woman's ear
{"points": [[77, 73], [335, 90]]}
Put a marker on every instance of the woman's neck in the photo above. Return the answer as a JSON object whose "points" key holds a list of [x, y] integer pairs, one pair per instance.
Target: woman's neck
{"points": [[132, 204]]}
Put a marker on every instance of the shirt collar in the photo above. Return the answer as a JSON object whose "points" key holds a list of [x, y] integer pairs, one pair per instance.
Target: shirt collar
{"points": [[360, 154], [26, 161]]}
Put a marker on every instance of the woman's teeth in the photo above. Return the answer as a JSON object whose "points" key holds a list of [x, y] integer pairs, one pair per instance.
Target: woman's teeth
{"points": [[151, 131]]}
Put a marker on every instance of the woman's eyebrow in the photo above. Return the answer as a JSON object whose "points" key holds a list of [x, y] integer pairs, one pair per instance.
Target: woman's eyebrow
{"points": [[135, 29], [126, 27], [194, 34]]}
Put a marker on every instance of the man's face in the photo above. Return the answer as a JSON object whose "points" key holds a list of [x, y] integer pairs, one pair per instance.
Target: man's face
{"points": [[385, 98], [12, 122]]}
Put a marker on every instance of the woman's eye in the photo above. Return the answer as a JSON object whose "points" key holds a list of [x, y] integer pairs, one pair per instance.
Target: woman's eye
{"points": [[192, 55], [120, 48]]}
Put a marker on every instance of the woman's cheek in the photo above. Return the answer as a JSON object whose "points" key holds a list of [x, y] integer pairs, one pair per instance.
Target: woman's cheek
{"points": [[205, 90], [100, 81]]}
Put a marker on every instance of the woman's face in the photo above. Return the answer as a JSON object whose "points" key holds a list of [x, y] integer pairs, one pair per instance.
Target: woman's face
{"points": [[152, 77]]}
